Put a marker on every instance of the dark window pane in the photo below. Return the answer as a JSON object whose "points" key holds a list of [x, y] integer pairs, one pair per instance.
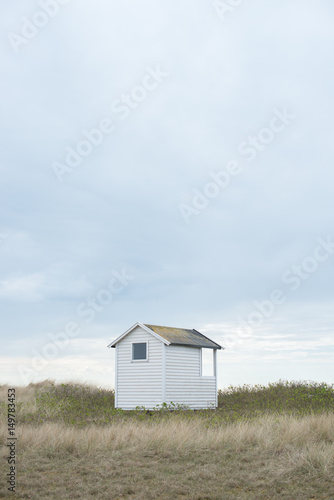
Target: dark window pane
{"points": [[139, 350]]}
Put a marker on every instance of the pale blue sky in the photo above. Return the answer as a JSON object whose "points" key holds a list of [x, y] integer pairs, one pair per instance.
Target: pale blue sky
{"points": [[179, 93]]}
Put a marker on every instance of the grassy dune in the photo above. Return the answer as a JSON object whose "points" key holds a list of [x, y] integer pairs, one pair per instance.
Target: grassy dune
{"points": [[262, 442]]}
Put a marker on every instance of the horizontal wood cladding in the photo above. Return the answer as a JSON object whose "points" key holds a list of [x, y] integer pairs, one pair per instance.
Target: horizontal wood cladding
{"points": [[139, 383], [184, 384]]}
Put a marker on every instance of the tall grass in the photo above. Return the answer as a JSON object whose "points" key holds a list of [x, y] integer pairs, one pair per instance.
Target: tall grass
{"points": [[177, 434], [262, 442]]}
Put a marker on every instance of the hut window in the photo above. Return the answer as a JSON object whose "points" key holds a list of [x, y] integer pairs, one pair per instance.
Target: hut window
{"points": [[139, 351], [207, 369]]}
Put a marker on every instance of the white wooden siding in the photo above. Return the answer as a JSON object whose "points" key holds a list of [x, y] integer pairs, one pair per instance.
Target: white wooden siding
{"points": [[184, 384], [139, 383]]}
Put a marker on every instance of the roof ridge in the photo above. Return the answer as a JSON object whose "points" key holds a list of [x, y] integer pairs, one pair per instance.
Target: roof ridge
{"points": [[173, 327]]}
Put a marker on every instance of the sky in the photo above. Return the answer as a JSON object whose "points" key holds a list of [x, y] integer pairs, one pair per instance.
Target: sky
{"points": [[168, 163]]}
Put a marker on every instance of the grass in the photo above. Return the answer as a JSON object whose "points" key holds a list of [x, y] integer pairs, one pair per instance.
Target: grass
{"points": [[262, 442]]}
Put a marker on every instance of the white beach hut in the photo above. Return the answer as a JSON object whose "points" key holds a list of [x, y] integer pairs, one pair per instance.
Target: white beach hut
{"points": [[160, 364]]}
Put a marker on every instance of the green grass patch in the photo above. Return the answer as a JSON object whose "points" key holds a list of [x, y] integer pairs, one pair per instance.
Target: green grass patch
{"points": [[81, 405], [299, 398]]}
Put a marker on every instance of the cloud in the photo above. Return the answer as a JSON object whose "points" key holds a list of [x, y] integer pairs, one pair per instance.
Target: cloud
{"points": [[119, 207], [26, 287]]}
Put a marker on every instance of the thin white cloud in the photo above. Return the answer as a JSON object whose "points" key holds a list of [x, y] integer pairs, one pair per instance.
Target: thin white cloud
{"points": [[27, 287]]}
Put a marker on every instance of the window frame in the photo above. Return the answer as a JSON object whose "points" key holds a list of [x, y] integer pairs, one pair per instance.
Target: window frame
{"points": [[132, 353]]}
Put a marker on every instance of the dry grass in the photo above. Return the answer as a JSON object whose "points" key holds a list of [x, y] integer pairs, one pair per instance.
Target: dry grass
{"points": [[180, 455], [25, 394], [275, 457]]}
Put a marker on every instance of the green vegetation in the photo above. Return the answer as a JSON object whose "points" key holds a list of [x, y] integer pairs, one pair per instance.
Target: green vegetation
{"points": [[297, 398], [80, 405]]}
